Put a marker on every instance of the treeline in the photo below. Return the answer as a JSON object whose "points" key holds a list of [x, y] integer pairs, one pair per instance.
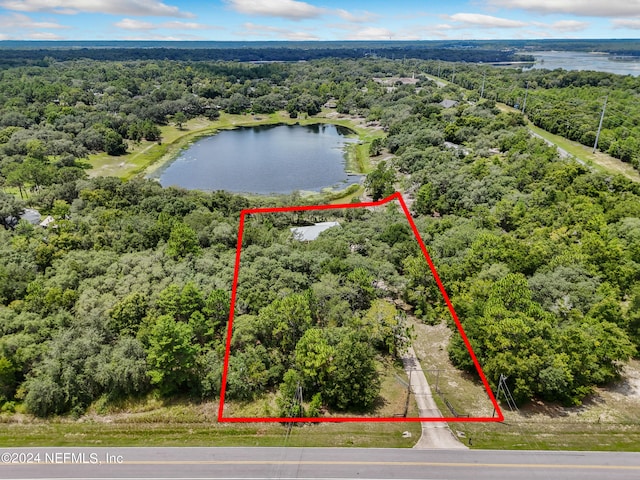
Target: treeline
{"points": [[620, 46], [43, 57], [129, 293], [567, 103]]}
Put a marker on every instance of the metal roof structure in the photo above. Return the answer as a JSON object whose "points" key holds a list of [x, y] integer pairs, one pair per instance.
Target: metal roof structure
{"points": [[307, 234], [446, 103], [30, 215]]}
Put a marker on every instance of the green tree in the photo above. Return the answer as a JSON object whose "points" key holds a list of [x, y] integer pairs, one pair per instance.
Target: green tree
{"points": [[375, 148], [282, 323], [44, 398], [7, 379], [425, 200], [216, 309], [113, 143], [171, 355], [125, 372], [183, 241], [287, 400], [179, 118], [355, 382], [61, 209], [359, 290], [314, 359], [248, 373], [128, 313], [380, 182], [385, 327]]}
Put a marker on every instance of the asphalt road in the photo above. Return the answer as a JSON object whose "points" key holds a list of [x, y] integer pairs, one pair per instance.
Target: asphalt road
{"points": [[312, 463]]}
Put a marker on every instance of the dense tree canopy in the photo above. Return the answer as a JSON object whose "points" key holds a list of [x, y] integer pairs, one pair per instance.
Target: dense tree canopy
{"points": [[130, 292]]}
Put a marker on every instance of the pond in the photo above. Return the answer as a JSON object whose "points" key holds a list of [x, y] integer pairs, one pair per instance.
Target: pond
{"points": [[265, 159]]}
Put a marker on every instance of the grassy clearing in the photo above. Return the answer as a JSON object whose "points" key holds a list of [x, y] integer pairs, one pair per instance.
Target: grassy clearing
{"points": [[608, 420], [598, 161], [15, 191], [354, 191], [379, 435]]}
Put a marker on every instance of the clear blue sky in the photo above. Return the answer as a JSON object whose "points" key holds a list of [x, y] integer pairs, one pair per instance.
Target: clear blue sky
{"points": [[317, 19]]}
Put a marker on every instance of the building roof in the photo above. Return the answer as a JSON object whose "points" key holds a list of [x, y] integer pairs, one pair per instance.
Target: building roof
{"points": [[307, 234], [446, 103], [48, 222], [30, 215]]}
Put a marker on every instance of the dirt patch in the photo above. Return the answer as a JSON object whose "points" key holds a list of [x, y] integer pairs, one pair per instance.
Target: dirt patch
{"points": [[629, 385]]}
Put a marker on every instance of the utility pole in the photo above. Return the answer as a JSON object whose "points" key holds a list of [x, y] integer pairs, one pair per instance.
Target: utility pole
{"points": [[482, 91], [604, 107], [524, 104], [504, 389]]}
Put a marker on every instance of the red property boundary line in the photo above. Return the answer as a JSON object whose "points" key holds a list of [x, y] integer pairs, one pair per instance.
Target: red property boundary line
{"points": [[395, 196]]}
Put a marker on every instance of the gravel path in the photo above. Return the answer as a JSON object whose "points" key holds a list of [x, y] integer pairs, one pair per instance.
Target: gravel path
{"points": [[434, 434]]}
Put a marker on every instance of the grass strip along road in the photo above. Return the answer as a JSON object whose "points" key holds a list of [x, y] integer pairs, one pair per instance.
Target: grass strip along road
{"points": [[263, 463]]}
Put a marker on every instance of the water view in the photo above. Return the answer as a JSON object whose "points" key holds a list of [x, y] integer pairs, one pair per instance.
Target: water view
{"points": [[264, 160], [601, 62]]}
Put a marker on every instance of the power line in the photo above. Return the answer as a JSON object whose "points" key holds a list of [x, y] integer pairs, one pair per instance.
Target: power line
{"points": [[604, 107]]}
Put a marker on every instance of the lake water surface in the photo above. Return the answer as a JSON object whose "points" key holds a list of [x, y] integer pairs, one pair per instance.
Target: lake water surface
{"points": [[264, 160], [600, 62]]}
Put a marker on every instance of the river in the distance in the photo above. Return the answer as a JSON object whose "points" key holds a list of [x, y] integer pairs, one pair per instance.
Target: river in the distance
{"points": [[264, 160], [601, 62]]}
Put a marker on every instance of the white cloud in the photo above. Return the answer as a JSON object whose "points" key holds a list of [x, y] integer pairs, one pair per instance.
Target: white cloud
{"points": [[350, 31], [114, 7], [187, 26], [130, 24], [138, 25], [594, 8], [358, 17], [164, 38], [44, 36], [290, 9], [486, 21], [632, 23], [20, 21], [569, 26], [265, 31], [371, 33]]}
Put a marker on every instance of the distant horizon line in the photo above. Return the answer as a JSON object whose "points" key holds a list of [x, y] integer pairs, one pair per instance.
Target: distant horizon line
{"points": [[466, 40]]}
